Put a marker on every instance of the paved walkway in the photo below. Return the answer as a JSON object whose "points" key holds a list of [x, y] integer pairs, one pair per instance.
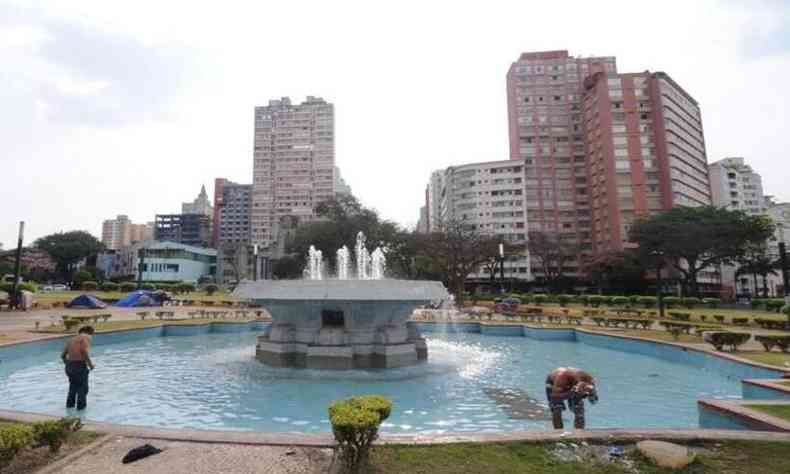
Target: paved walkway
{"points": [[194, 458]]}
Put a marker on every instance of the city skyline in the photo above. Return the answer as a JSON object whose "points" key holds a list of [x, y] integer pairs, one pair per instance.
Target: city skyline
{"points": [[144, 135]]}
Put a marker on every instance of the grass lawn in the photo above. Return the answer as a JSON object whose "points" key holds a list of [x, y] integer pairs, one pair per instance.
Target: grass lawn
{"points": [[785, 383], [742, 457], [779, 359], [779, 411]]}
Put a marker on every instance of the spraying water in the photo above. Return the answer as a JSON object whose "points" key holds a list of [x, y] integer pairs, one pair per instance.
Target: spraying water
{"points": [[343, 261], [315, 264], [370, 266]]}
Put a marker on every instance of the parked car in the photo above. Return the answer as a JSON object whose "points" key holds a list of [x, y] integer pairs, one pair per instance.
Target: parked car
{"points": [[59, 287]]}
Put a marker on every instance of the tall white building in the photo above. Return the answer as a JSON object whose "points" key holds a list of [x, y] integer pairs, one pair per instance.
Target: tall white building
{"points": [[293, 164], [736, 186], [489, 196]]}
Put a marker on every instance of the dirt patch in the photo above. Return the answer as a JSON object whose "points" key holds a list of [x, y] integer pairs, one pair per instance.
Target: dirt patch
{"points": [[32, 459]]}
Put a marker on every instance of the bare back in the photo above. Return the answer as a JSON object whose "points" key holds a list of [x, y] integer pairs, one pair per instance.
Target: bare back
{"points": [[78, 348]]}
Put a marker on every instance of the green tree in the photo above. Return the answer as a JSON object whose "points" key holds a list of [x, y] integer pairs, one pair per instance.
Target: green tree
{"points": [[342, 218], [696, 238], [756, 262], [457, 250], [620, 271], [287, 268], [68, 248], [552, 256]]}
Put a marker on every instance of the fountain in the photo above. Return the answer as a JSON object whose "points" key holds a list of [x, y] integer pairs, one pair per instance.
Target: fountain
{"points": [[342, 323]]}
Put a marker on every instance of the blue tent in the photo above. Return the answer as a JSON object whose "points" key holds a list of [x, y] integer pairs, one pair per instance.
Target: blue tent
{"points": [[87, 302], [139, 298]]}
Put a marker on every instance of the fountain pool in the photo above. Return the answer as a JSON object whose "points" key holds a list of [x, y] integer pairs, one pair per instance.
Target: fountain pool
{"points": [[471, 382]]}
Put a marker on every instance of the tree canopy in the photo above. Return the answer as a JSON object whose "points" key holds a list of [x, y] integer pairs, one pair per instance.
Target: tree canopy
{"points": [[340, 219], [696, 238], [68, 248]]}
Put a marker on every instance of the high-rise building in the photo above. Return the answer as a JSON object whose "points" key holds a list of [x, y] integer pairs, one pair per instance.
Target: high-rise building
{"points": [[187, 229], [601, 148], [120, 232], [201, 204], [341, 187], [645, 151], [544, 92], [235, 253], [736, 186], [293, 164], [490, 197], [433, 200]]}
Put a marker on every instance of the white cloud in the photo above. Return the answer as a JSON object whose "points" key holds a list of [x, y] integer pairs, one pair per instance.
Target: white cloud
{"points": [[128, 108]]}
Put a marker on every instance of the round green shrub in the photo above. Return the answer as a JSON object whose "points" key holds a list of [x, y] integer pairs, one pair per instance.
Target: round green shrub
{"points": [[147, 286], [786, 310], [540, 298], [691, 302], [128, 286], [595, 300], [51, 433], [109, 286], [210, 289], [774, 304], [607, 300], [24, 286], [634, 300], [563, 300], [186, 287], [648, 301], [355, 424], [620, 300], [89, 286], [581, 299], [13, 438], [526, 299], [757, 303]]}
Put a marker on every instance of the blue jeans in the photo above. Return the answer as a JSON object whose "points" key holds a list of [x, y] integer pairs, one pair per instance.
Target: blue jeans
{"points": [[77, 372]]}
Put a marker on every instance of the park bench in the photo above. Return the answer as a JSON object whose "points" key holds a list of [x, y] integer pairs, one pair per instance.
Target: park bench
{"points": [[162, 315], [771, 323], [680, 316], [627, 311]]}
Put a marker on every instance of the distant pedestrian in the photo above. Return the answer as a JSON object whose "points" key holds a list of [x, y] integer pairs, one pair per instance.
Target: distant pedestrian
{"points": [[76, 356], [573, 385]]}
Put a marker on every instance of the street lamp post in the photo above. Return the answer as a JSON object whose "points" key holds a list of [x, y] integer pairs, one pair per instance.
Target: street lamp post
{"points": [[502, 268], [140, 267], [783, 263], [255, 264], [659, 283], [15, 300]]}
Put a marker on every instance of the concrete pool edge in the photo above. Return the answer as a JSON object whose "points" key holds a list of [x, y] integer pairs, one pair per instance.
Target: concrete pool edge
{"points": [[735, 413], [326, 440]]}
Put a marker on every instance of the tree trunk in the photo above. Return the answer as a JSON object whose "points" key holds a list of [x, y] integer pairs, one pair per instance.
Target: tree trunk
{"points": [[765, 286], [756, 286], [693, 286]]}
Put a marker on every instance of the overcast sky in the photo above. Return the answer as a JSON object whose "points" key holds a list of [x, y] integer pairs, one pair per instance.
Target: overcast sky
{"points": [[111, 107]]}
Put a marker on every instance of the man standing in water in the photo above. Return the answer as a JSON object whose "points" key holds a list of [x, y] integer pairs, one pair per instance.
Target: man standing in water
{"points": [[574, 385], [76, 356]]}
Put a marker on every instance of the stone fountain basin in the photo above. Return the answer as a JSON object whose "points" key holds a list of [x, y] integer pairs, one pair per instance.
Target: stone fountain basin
{"points": [[341, 323]]}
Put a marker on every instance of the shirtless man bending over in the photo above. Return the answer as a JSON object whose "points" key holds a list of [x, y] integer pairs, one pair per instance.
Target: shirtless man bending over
{"points": [[76, 356], [574, 385]]}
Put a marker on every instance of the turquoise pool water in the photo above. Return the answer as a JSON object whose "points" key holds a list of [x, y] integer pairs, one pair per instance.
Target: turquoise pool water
{"points": [[470, 383]]}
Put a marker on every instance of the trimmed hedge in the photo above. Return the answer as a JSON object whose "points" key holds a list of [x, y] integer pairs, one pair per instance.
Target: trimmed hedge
{"points": [[596, 300], [127, 286], [540, 298], [211, 288], [355, 425], [769, 342], [711, 303], [620, 300], [109, 286], [648, 301], [671, 301], [563, 300], [89, 286], [722, 339], [690, 302], [147, 286], [25, 286]]}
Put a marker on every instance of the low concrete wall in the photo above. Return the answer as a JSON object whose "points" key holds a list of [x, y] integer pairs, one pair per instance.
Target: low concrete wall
{"points": [[733, 415], [755, 389]]}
